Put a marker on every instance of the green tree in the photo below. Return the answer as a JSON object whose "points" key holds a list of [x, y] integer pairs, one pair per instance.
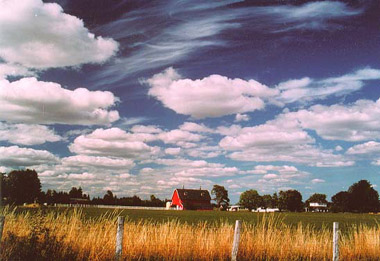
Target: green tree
{"points": [[316, 198], [267, 201], [363, 197], [290, 200], [76, 192], [250, 199], [24, 186], [341, 202], [108, 198], [275, 203], [221, 195]]}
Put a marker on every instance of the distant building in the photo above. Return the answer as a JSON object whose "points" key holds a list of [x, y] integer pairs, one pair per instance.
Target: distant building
{"points": [[191, 199], [316, 207], [268, 210]]}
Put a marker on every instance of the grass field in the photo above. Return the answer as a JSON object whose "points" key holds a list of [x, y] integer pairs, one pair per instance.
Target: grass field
{"points": [[315, 220], [89, 234]]}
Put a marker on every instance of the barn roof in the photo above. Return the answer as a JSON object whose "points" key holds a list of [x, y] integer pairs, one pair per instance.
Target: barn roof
{"points": [[193, 194]]}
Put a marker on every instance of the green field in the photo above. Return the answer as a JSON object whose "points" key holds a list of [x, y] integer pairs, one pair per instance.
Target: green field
{"points": [[315, 220]]}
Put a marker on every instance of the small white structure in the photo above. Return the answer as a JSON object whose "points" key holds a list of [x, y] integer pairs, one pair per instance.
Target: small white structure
{"points": [[234, 208], [168, 204], [266, 210], [316, 207]]}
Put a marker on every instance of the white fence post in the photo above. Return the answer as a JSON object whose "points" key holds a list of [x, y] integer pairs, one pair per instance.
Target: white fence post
{"points": [[119, 238], [335, 241], [235, 245]]}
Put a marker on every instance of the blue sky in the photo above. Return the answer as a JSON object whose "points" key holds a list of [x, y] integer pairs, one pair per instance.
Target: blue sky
{"points": [[142, 97]]}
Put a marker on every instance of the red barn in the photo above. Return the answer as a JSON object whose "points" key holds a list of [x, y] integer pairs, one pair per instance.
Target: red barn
{"points": [[191, 199]]}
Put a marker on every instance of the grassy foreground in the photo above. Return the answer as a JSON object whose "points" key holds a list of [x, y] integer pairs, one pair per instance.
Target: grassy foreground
{"points": [[74, 235]]}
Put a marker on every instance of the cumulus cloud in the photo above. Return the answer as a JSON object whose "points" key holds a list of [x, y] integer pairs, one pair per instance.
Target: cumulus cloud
{"points": [[15, 156], [359, 121], [194, 168], [216, 95], [213, 96], [31, 101], [47, 37], [195, 127], [369, 148], [179, 137], [241, 117], [112, 142], [14, 70], [279, 140], [24, 134], [173, 151], [97, 162]]}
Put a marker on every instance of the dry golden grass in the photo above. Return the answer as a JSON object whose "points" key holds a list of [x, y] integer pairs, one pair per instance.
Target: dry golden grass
{"points": [[269, 239]]}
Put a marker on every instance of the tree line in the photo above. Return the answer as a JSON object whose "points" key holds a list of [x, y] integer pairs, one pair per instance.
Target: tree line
{"points": [[361, 197], [24, 186]]}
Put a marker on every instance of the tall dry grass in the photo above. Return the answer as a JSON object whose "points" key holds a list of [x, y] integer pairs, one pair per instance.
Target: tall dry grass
{"points": [[77, 238]]}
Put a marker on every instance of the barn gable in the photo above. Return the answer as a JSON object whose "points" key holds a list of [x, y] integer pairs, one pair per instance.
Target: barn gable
{"points": [[194, 199]]}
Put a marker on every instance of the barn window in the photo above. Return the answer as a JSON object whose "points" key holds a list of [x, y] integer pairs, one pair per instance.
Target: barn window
{"points": [[185, 193], [202, 194]]}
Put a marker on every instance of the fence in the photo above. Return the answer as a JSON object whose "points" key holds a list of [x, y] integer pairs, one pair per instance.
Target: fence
{"points": [[235, 244], [108, 206], [234, 247]]}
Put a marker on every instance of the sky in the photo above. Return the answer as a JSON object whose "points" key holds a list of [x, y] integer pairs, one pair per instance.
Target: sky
{"points": [[142, 97]]}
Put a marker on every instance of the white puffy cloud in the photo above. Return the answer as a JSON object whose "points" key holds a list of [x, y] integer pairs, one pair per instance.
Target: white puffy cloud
{"points": [[31, 101], [173, 151], [47, 37], [185, 167], [15, 156], [179, 137], [370, 148], [195, 127], [112, 142], [359, 121], [14, 70], [279, 140], [97, 162], [241, 117], [316, 181], [27, 134], [146, 129], [213, 96], [81, 176]]}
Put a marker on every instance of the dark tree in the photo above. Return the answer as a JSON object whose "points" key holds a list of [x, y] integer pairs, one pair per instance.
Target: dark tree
{"points": [[221, 195], [3, 188], [24, 186], [341, 202], [76, 192], [250, 199], [109, 198], [363, 197], [267, 201], [316, 198], [290, 200], [275, 202]]}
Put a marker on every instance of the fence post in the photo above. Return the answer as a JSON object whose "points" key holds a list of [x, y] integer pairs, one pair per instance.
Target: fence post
{"points": [[235, 245], [2, 219], [119, 238], [335, 241]]}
